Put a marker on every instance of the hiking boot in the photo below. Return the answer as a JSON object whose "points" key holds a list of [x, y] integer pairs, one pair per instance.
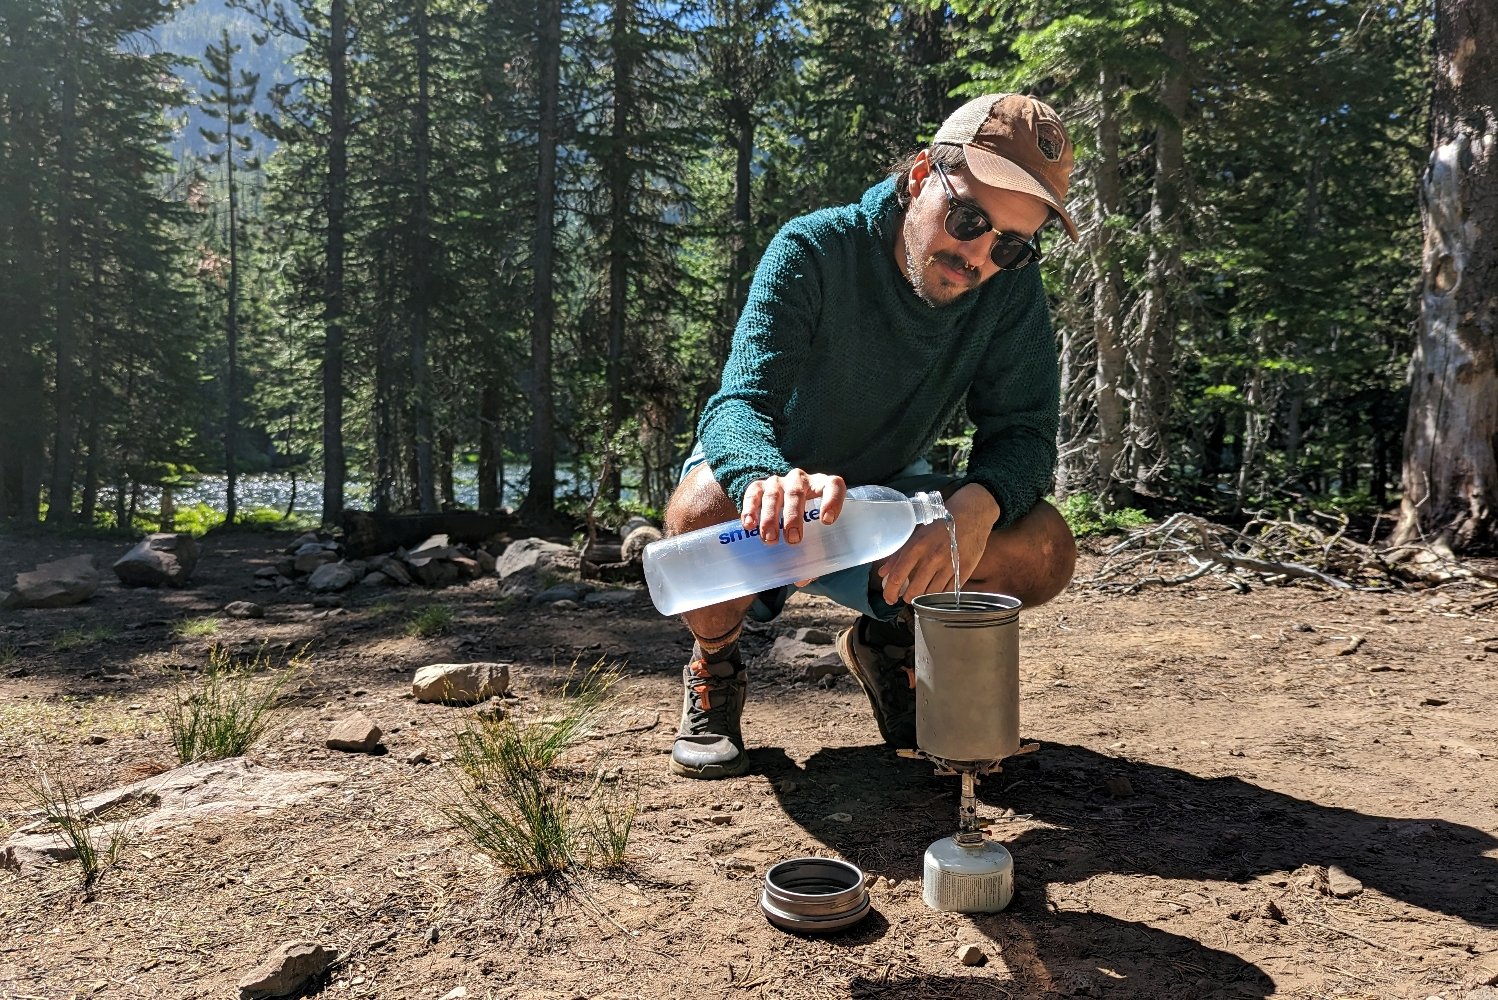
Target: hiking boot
{"points": [[883, 663], [710, 743]]}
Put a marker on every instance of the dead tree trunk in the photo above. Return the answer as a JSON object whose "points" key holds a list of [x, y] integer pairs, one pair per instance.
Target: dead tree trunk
{"points": [[1450, 477]]}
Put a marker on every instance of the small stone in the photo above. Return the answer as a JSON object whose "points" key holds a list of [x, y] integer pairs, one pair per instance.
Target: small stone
{"points": [[457, 994], [1271, 911], [720, 819], [460, 683], [1341, 884], [244, 609], [813, 636], [1119, 786], [94, 739], [564, 605], [839, 817], [286, 971], [971, 954], [355, 734], [418, 757], [1434, 702]]}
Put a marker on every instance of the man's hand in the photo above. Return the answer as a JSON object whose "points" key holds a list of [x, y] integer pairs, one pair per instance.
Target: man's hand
{"points": [[769, 503], [924, 563]]}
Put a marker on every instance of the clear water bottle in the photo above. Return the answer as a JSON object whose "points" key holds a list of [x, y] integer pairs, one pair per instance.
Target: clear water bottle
{"points": [[712, 565]]}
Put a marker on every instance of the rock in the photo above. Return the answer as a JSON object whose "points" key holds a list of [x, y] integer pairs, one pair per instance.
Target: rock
{"points": [[839, 817], [287, 971], [374, 579], [327, 601], [562, 592], [330, 577], [460, 993], [161, 558], [529, 553], [1119, 786], [435, 547], [1340, 884], [824, 666], [55, 584], [486, 561], [793, 652], [355, 734], [393, 568], [971, 954], [460, 683], [265, 572], [244, 609], [309, 557], [1271, 911], [306, 538], [608, 598], [468, 568], [814, 636], [418, 757], [208, 790], [565, 605], [633, 547], [433, 571]]}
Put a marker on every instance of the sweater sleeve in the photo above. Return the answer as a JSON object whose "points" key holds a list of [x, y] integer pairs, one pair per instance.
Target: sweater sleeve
{"points": [[739, 430], [1015, 405]]}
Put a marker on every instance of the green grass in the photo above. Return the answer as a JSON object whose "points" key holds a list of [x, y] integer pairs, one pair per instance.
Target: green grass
{"points": [[517, 802], [77, 638], [227, 708], [96, 848], [194, 628], [429, 621]]}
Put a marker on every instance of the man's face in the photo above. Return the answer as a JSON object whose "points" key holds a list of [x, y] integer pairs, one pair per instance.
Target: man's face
{"points": [[942, 269]]}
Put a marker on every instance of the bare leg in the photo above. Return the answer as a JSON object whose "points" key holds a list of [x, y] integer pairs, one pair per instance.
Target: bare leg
{"points": [[1031, 559]]}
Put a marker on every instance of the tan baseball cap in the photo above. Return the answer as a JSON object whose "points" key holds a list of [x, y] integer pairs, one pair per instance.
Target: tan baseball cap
{"points": [[1015, 143]]}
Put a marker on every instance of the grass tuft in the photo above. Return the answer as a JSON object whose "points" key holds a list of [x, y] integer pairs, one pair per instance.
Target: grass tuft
{"points": [[227, 708], [517, 803], [78, 638], [96, 848], [194, 628], [429, 621]]}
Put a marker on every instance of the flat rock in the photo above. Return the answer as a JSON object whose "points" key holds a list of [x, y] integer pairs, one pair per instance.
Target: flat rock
{"points": [[55, 584], [287, 971], [814, 636], [528, 553], [971, 954], [608, 598], [163, 558], [244, 609], [355, 734], [1340, 884], [460, 683]]}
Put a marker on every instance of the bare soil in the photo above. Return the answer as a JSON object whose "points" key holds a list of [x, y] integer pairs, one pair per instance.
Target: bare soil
{"points": [[1263, 736]]}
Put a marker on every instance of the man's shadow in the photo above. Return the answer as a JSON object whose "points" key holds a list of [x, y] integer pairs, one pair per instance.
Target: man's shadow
{"points": [[1174, 825]]}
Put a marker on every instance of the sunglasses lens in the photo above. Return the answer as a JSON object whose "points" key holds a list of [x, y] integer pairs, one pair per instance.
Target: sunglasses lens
{"points": [[1010, 253], [965, 224]]}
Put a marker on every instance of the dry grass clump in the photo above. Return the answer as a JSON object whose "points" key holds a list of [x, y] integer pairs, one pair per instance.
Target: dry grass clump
{"points": [[227, 707], [520, 803], [96, 845]]}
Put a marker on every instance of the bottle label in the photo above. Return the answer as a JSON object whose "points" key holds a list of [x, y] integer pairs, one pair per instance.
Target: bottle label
{"points": [[739, 534]]}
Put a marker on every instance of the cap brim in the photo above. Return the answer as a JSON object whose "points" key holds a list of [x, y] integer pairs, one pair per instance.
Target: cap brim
{"points": [[997, 171]]}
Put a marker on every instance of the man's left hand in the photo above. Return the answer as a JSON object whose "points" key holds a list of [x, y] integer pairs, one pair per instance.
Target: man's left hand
{"points": [[923, 565]]}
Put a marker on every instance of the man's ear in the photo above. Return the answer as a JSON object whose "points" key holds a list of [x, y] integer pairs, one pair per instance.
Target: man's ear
{"points": [[920, 172]]}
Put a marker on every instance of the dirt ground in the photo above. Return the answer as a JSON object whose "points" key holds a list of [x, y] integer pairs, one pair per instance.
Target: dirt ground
{"points": [[1262, 741]]}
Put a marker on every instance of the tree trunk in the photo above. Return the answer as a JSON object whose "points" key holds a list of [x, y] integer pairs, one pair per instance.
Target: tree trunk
{"points": [[491, 448], [64, 391], [335, 465], [740, 263], [621, 180], [231, 423], [1450, 476], [1109, 483], [1154, 342], [421, 269], [539, 504]]}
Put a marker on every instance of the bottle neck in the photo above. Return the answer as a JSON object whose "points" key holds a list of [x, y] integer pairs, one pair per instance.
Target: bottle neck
{"points": [[928, 507]]}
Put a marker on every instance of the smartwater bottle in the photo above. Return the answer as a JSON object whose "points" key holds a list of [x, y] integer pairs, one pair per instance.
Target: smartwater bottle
{"points": [[712, 565]]}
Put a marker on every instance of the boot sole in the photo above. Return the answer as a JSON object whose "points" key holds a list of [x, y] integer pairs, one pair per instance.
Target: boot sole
{"points": [[710, 772]]}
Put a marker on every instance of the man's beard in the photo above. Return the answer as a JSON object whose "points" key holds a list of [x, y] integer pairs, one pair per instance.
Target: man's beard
{"points": [[924, 290]]}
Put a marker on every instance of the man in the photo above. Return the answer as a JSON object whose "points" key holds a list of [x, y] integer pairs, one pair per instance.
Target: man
{"points": [[865, 328]]}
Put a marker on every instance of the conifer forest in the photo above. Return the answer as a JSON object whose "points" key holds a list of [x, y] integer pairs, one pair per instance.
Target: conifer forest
{"points": [[450, 253]]}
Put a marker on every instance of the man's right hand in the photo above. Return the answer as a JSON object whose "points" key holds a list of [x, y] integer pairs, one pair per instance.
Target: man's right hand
{"points": [[777, 500]]}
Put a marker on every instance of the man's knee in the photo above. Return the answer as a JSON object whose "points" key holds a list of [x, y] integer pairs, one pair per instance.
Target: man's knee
{"points": [[699, 501], [1058, 550]]}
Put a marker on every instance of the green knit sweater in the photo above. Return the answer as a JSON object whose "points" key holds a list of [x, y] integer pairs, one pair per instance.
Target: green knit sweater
{"points": [[837, 366]]}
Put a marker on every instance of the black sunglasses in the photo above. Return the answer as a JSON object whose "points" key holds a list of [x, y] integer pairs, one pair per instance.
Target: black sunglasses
{"points": [[966, 223]]}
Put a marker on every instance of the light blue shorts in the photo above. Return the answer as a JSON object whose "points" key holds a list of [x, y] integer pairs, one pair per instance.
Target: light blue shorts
{"points": [[853, 587]]}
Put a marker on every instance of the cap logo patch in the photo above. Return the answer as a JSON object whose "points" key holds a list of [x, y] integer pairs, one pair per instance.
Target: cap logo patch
{"points": [[1050, 139]]}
